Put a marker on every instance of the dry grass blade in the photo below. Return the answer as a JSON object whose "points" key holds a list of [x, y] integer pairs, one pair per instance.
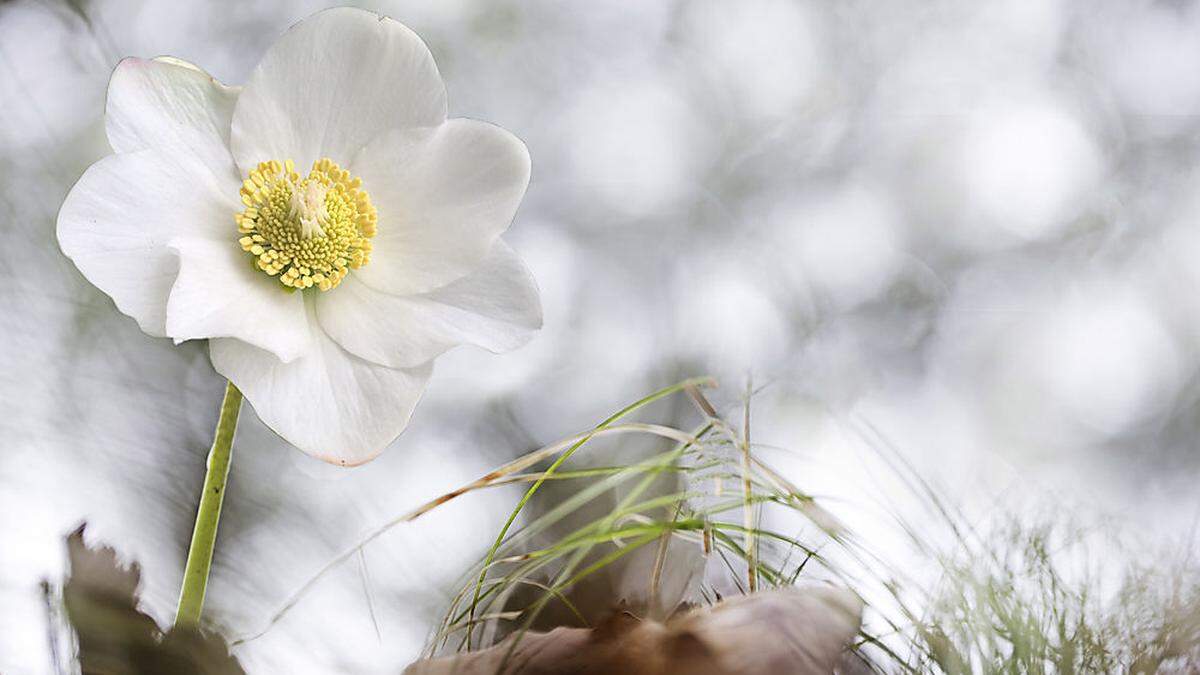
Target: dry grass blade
{"points": [[498, 476]]}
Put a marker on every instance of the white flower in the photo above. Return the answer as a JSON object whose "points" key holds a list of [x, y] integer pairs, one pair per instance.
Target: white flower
{"points": [[325, 293]]}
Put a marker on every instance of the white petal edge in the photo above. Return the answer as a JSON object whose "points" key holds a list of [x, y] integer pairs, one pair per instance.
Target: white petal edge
{"points": [[444, 195], [329, 403], [117, 220], [330, 84], [496, 307], [219, 294], [166, 102]]}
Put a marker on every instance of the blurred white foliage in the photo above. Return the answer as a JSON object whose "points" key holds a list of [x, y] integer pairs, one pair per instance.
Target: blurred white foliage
{"points": [[845, 242], [1085, 364], [635, 143], [765, 56], [728, 319], [1026, 169], [1147, 51]]}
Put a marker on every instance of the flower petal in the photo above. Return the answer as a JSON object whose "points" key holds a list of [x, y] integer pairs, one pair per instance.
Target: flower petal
{"points": [[218, 293], [328, 403], [496, 307], [330, 84], [444, 195], [116, 222], [166, 102]]}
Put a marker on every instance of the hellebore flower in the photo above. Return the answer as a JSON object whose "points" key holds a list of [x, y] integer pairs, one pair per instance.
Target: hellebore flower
{"points": [[325, 227]]}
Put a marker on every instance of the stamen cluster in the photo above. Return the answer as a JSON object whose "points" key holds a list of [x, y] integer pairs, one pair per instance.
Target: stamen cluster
{"points": [[307, 231]]}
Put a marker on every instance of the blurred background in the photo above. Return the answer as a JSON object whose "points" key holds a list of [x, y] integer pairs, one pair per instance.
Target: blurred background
{"points": [[969, 232]]}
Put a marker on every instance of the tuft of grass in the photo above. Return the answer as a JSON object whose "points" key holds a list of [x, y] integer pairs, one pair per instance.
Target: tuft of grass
{"points": [[1035, 593], [1030, 598], [702, 496]]}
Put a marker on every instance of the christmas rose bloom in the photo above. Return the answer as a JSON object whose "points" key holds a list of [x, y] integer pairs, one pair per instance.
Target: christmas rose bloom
{"points": [[325, 227]]}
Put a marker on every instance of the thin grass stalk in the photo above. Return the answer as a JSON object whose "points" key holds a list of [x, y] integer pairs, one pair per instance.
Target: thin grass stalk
{"points": [[748, 492], [660, 559]]}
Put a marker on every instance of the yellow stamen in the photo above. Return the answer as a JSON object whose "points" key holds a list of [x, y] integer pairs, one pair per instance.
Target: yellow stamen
{"points": [[308, 232]]}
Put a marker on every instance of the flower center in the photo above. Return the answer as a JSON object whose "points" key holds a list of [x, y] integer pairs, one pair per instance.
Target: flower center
{"points": [[307, 231]]}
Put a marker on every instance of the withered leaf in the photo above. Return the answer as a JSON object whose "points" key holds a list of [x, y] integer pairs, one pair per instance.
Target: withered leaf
{"points": [[114, 638], [794, 630]]}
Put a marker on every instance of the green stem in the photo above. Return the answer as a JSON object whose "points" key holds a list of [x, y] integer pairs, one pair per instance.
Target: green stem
{"points": [[204, 536], [748, 515]]}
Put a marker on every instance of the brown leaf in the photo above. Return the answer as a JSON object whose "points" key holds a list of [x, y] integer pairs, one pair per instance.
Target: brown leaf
{"points": [[115, 638], [795, 630]]}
